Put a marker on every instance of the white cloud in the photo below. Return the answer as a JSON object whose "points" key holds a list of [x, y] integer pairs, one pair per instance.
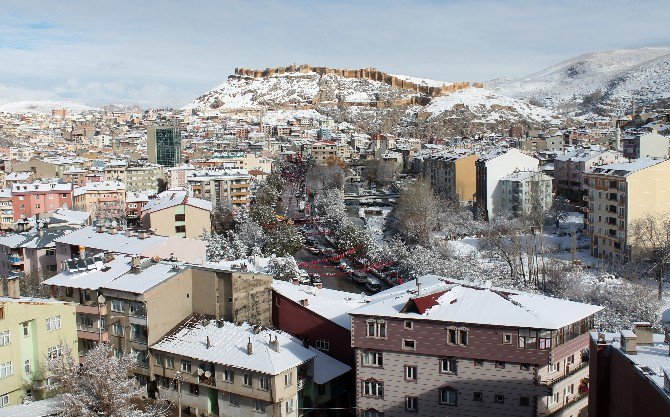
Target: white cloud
{"points": [[158, 53]]}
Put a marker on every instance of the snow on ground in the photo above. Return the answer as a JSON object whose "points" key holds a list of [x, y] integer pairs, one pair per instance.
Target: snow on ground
{"points": [[44, 107], [488, 104], [375, 222], [422, 81], [276, 117]]}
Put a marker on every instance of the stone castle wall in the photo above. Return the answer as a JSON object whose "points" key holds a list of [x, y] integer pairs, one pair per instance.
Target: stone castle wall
{"points": [[363, 73]]}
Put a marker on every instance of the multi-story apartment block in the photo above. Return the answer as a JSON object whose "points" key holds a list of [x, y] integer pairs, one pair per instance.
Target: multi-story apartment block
{"points": [[143, 177], [243, 370], [164, 145], [104, 200], [135, 202], [217, 186], [115, 171], [618, 195], [90, 241], [490, 169], [570, 166], [324, 151], [630, 373], [29, 200], [447, 347], [174, 213], [451, 174], [644, 145], [525, 192], [31, 330], [6, 210], [31, 252]]}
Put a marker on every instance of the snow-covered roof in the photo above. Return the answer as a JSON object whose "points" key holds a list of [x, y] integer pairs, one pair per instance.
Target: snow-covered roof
{"points": [[100, 186], [71, 216], [146, 277], [228, 346], [448, 300], [31, 409], [326, 368], [169, 199], [330, 304], [118, 242], [41, 187], [626, 168], [94, 278]]}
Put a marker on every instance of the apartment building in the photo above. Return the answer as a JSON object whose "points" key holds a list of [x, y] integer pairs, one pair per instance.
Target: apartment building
{"points": [[135, 202], [174, 213], [490, 169], [30, 252], [218, 186], [90, 241], [618, 194], [31, 330], [630, 373], [324, 151], [29, 200], [445, 347], [451, 174], [143, 177], [104, 200], [177, 175], [164, 145], [243, 370], [525, 192], [115, 171], [570, 166], [6, 210], [645, 145]]}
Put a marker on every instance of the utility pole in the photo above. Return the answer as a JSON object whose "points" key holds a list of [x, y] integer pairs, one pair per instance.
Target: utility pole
{"points": [[178, 382]]}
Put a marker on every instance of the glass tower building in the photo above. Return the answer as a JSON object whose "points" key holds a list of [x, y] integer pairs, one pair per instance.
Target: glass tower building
{"points": [[164, 145]]}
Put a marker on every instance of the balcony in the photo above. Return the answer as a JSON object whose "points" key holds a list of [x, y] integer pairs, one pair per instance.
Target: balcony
{"points": [[303, 383], [16, 260], [573, 369], [572, 405], [209, 381]]}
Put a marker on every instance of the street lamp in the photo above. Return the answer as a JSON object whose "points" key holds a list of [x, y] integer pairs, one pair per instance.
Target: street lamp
{"points": [[177, 377]]}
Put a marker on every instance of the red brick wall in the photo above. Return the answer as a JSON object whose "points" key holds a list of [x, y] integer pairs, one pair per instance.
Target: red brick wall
{"points": [[297, 320], [31, 201]]}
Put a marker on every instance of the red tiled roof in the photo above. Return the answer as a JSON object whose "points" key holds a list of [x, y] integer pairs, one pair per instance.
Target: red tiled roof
{"points": [[427, 301]]}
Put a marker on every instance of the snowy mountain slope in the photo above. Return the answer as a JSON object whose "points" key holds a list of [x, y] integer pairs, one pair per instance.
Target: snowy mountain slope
{"points": [[295, 89], [43, 107], [489, 106], [617, 74]]}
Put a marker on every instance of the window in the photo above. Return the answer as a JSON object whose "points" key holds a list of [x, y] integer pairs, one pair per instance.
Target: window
{"points": [[499, 398], [288, 378], [524, 401], [264, 383], [376, 329], [457, 336], [408, 344], [569, 390], [86, 320], [69, 292], [180, 217], [246, 380], [448, 365], [373, 389], [528, 338], [322, 344], [552, 399], [4, 400], [194, 389], [50, 252], [554, 367], [259, 406], [169, 362], [180, 229], [448, 396], [478, 396], [412, 404], [410, 373], [4, 338], [26, 367], [500, 364], [507, 338], [409, 325], [234, 400], [186, 366], [372, 359], [53, 323], [289, 406], [571, 359], [544, 339], [118, 306], [6, 369], [2, 313], [478, 362], [118, 330], [228, 375], [137, 308]]}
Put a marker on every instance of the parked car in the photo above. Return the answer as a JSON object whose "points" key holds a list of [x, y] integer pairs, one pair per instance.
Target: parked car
{"points": [[359, 277], [316, 280], [313, 250], [373, 284]]}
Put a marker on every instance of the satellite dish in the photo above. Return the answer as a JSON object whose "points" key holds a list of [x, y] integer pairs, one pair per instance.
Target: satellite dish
{"points": [[200, 372], [208, 374], [114, 223], [101, 299]]}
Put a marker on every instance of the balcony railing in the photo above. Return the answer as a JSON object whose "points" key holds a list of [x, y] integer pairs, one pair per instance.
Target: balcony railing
{"points": [[570, 402], [302, 383], [573, 369]]}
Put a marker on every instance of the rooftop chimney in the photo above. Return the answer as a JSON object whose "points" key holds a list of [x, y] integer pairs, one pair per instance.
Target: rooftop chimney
{"points": [[304, 302], [136, 261], [250, 347], [274, 344], [100, 228], [142, 234], [629, 342], [645, 336], [13, 286], [209, 343]]}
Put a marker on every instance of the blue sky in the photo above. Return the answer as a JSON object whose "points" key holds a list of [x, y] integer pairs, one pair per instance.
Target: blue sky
{"points": [[165, 53]]}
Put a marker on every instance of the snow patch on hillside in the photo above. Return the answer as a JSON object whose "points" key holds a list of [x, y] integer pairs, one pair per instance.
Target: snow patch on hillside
{"points": [[490, 105], [422, 81]]}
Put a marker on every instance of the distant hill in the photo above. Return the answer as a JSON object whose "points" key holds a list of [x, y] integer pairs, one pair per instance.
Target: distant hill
{"points": [[609, 80], [43, 107]]}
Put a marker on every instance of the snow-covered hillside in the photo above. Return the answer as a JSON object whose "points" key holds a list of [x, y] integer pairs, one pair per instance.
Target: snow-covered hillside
{"points": [[618, 74], [43, 107], [295, 89], [489, 106]]}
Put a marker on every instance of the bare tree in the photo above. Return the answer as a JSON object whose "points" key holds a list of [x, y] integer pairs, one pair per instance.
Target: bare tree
{"points": [[650, 238]]}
